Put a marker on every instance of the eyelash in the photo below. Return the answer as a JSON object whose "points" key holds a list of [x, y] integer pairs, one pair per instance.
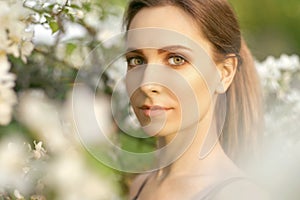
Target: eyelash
{"points": [[183, 59], [171, 56], [131, 59]]}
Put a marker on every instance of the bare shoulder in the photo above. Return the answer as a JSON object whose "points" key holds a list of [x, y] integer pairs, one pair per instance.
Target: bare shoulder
{"points": [[136, 184], [244, 189]]}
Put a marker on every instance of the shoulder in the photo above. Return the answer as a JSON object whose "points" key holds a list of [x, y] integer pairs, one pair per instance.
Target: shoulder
{"points": [[243, 189], [136, 184]]}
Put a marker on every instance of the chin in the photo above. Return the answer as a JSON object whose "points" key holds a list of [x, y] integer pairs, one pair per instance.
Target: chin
{"points": [[160, 130]]}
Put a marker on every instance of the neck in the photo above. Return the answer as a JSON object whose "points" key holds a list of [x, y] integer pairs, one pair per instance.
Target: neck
{"points": [[204, 156]]}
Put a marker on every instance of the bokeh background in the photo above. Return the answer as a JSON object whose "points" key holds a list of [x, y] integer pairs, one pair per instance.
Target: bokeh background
{"points": [[44, 44], [270, 27]]}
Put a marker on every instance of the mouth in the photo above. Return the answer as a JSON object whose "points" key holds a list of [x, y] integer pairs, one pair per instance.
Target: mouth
{"points": [[155, 110]]}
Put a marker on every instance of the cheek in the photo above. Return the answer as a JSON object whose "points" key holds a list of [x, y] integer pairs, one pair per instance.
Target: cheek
{"points": [[202, 94], [135, 103], [142, 119]]}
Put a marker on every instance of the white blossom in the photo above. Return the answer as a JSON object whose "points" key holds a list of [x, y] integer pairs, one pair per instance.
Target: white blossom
{"points": [[289, 63], [79, 2], [15, 39], [90, 115], [67, 173], [18, 195], [72, 180], [15, 36], [44, 118], [92, 18], [26, 49], [78, 57], [277, 74], [110, 34], [7, 95], [38, 151], [13, 158]]}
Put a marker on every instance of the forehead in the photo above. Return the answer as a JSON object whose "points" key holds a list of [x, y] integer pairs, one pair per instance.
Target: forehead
{"points": [[167, 17], [164, 26]]}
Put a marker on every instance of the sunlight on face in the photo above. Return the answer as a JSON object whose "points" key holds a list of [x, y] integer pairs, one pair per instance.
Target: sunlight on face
{"points": [[171, 77]]}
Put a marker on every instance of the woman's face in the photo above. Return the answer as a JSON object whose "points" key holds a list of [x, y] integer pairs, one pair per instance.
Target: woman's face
{"points": [[171, 78]]}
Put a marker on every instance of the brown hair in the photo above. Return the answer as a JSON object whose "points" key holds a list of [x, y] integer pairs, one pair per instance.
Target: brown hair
{"points": [[218, 23]]}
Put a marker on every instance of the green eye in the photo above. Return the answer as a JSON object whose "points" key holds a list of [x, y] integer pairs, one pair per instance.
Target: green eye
{"points": [[176, 60], [135, 61]]}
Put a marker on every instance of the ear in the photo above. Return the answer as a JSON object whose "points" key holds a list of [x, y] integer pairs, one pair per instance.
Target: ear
{"points": [[227, 70]]}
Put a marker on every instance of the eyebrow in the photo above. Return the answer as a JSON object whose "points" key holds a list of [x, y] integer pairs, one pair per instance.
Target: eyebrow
{"points": [[161, 50]]}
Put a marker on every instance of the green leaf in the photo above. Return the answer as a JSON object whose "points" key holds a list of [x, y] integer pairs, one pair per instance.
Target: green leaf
{"points": [[87, 6], [48, 17], [70, 47], [75, 6], [54, 26]]}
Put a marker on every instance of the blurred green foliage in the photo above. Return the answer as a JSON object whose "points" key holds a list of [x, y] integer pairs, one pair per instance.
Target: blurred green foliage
{"points": [[271, 27]]}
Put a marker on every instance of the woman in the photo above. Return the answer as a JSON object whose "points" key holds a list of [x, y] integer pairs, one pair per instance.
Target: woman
{"points": [[161, 44]]}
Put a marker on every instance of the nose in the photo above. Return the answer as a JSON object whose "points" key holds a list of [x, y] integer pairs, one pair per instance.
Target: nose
{"points": [[150, 88], [150, 84]]}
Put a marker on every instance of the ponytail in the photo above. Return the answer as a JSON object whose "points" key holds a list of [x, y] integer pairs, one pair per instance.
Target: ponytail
{"points": [[244, 115]]}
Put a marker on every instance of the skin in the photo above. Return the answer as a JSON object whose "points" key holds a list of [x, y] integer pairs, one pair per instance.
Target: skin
{"points": [[188, 175]]}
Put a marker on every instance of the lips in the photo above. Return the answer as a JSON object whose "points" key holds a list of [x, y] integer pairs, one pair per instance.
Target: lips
{"points": [[155, 110]]}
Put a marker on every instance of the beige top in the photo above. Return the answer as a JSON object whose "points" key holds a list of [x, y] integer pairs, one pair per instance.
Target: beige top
{"points": [[236, 188]]}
